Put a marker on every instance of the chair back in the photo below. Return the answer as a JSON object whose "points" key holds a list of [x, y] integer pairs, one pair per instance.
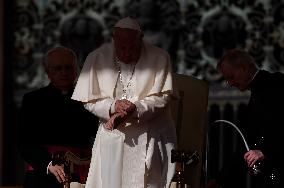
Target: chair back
{"points": [[190, 115]]}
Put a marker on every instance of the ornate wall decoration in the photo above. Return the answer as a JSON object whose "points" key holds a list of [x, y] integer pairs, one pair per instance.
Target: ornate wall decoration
{"points": [[195, 33]]}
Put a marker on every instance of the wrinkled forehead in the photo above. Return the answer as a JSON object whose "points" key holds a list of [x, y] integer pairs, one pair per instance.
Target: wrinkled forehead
{"points": [[60, 56], [125, 34]]}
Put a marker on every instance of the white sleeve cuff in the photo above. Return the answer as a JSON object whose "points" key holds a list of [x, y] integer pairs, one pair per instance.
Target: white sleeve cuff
{"points": [[100, 108]]}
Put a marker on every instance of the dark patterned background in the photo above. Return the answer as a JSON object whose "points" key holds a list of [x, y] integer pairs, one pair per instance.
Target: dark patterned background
{"points": [[195, 33]]}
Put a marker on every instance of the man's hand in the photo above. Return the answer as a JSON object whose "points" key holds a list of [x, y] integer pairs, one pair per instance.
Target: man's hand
{"points": [[58, 172], [113, 121], [252, 156], [124, 107]]}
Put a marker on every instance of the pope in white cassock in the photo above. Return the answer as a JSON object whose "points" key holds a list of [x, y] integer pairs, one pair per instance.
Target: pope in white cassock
{"points": [[128, 84]]}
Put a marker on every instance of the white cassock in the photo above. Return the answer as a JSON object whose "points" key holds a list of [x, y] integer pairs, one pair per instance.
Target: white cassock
{"points": [[137, 153]]}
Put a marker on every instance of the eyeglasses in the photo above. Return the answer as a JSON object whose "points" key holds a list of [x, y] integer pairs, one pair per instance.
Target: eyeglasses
{"points": [[60, 68]]}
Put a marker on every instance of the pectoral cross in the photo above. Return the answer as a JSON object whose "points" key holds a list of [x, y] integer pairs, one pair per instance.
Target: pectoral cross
{"points": [[124, 96]]}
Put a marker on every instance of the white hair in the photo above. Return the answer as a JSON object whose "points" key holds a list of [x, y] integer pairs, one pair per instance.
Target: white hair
{"points": [[47, 54]]}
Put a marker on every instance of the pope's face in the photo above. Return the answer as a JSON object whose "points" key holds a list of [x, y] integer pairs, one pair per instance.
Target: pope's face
{"points": [[127, 43]]}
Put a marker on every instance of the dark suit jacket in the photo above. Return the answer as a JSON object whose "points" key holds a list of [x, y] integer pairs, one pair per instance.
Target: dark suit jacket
{"points": [[261, 125], [266, 119], [49, 118]]}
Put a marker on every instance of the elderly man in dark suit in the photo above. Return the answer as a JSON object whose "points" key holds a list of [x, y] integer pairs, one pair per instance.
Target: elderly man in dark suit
{"points": [[51, 122]]}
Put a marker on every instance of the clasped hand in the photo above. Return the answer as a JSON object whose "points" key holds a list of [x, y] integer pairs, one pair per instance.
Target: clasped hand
{"points": [[123, 109]]}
